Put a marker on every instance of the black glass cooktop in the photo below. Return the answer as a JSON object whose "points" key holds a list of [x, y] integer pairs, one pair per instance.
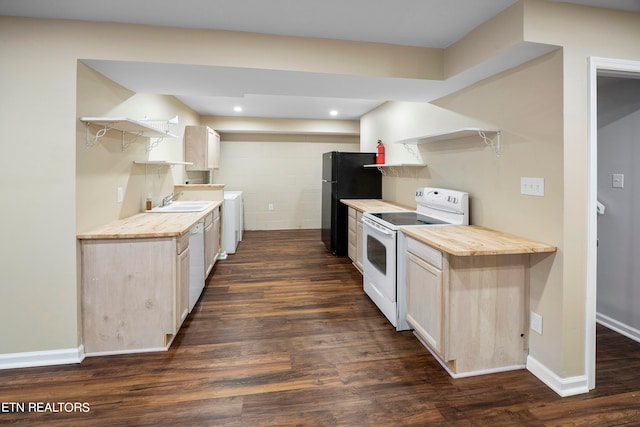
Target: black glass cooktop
{"points": [[406, 218]]}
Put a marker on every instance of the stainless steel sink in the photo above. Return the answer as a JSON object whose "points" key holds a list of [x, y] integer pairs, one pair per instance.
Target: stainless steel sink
{"points": [[183, 206]]}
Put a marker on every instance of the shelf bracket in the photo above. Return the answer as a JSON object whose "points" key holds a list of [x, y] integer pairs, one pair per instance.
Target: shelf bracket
{"points": [[92, 141], [151, 145], [410, 148], [126, 144], [493, 143], [388, 171], [123, 145]]}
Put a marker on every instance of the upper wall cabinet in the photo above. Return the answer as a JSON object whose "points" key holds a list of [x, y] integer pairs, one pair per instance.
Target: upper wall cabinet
{"points": [[202, 148]]}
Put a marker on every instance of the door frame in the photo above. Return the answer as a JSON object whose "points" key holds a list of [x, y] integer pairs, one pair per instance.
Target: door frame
{"points": [[618, 68]]}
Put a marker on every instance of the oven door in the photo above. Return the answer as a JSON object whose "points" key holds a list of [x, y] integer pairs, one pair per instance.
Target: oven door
{"points": [[379, 265]]}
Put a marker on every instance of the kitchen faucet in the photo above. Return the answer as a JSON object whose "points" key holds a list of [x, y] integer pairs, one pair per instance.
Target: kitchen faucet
{"points": [[170, 198]]}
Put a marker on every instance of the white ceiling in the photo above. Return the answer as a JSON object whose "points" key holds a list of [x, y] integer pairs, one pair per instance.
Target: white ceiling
{"points": [[270, 93]]}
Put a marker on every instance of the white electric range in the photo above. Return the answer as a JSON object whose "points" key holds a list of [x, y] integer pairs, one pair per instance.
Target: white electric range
{"points": [[382, 245]]}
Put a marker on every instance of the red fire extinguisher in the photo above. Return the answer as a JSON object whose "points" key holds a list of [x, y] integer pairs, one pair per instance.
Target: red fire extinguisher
{"points": [[380, 154]]}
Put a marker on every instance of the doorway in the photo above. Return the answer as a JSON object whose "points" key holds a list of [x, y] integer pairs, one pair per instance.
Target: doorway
{"points": [[608, 71]]}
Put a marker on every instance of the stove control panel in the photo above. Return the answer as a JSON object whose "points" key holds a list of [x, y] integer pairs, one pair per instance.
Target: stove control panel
{"points": [[435, 201]]}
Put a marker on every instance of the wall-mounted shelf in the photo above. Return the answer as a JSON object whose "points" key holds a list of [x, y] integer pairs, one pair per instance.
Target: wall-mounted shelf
{"points": [[395, 165], [395, 168], [160, 162], [491, 137], [137, 128]]}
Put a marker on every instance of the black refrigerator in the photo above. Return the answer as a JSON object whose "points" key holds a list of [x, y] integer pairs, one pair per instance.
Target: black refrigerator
{"points": [[345, 177]]}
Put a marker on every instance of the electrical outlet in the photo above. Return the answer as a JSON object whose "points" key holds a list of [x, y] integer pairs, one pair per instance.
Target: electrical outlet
{"points": [[119, 195], [532, 186], [270, 207], [535, 322]]}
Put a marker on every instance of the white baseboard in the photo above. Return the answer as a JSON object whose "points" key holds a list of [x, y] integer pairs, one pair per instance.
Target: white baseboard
{"points": [[133, 351], [563, 386], [619, 327], [42, 358]]}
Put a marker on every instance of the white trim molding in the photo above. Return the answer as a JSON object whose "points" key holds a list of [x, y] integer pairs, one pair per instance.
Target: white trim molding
{"points": [[563, 386], [619, 327], [610, 67], [42, 358]]}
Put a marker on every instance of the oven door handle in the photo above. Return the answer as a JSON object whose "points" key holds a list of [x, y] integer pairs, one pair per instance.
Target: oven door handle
{"points": [[377, 227]]}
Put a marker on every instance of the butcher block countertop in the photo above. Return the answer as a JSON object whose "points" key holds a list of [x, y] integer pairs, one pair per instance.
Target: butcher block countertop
{"points": [[149, 224], [472, 240], [374, 205]]}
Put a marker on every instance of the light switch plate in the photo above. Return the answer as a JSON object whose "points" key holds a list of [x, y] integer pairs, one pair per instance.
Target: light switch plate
{"points": [[617, 180], [532, 186], [119, 195]]}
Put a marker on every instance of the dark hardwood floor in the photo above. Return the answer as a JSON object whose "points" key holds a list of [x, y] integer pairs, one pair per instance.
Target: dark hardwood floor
{"points": [[284, 336]]}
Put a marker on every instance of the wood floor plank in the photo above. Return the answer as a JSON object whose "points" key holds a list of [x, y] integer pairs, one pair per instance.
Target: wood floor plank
{"points": [[284, 336]]}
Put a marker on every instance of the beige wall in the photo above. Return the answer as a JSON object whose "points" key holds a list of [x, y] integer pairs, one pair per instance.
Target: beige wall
{"points": [[542, 108], [38, 115], [38, 302], [282, 170], [278, 162], [103, 165], [530, 117], [583, 32], [501, 33], [39, 118]]}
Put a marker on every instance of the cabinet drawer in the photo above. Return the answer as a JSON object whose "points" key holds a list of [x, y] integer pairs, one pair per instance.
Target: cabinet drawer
{"points": [[426, 252], [352, 213], [183, 242]]}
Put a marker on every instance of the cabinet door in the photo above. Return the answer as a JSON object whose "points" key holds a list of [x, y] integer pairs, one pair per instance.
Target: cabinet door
{"points": [[213, 149], [359, 245], [425, 302], [209, 247], [216, 236], [202, 148], [128, 294], [182, 289], [352, 236]]}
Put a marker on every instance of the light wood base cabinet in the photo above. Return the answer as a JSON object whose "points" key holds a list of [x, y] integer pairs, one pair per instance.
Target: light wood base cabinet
{"points": [[469, 311], [212, 242], [135, 293], [181, 287], [354, 249]]}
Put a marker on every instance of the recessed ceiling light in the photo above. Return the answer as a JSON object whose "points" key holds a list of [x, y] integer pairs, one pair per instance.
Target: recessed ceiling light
{"points": [[333, 113], [237, 109]]}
